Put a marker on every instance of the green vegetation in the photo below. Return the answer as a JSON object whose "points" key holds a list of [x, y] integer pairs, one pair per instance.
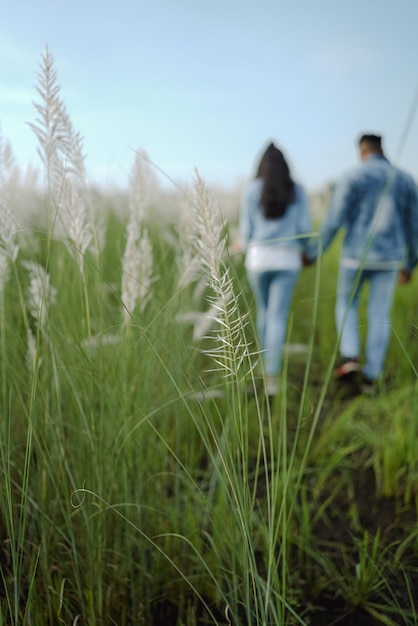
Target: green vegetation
{"points": [[146, 477], [129, 495]]}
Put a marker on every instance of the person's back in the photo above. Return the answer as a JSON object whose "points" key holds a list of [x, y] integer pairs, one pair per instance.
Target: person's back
{"points": [[256, 229], [375, 199], [377, 206], [274, 214]]}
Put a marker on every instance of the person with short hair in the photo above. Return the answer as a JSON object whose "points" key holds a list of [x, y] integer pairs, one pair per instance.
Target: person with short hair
{"points": [[376, 204], [273, 218]]}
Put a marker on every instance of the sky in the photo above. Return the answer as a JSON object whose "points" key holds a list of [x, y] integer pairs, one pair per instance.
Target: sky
{"points": [[207, 85]]}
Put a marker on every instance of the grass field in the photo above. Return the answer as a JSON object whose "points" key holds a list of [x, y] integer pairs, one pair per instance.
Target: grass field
{"points": [[131, 495], [146, 477]]}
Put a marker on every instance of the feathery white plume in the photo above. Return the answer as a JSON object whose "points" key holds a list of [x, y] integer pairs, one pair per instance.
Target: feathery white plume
{"points": [[142, 184], [9, 247], [8, 232], [137, 263], [4, 272], [9, 174], [32, 361], [75, 222], [231, 348], [61, 151], [130, 263], [41, 295], [187, 260], [210, 242], [49, 127], [97, 341]]}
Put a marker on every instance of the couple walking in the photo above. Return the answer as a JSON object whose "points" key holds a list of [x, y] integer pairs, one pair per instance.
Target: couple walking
{"points": [[376, 205]]}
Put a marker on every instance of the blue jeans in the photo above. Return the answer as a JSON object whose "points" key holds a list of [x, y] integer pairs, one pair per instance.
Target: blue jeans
{"points": [[381, 289], [273, 291]]}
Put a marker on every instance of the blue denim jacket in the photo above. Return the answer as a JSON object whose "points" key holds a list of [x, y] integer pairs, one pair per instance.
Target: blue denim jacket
{"points": [[377, 206], [256, 229]]}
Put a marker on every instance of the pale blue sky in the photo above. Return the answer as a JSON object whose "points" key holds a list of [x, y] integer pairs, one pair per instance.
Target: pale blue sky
{"points": [[207, 84]]}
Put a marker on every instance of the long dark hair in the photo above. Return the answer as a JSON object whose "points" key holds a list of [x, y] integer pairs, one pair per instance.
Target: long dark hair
{"points": [[278, 187]]}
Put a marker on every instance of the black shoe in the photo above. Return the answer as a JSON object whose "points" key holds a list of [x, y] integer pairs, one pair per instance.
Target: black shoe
{"points": [[369, 387], [348, 369]]}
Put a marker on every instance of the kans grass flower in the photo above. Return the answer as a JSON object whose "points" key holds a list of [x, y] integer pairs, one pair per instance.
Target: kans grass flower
{"points": [[9, 247], [209, 237], [137, 262], [231, 349], [33, 360], [61, 151], [187, 260], [4, 272], [41, 294], [9, 173], [75, 221]]}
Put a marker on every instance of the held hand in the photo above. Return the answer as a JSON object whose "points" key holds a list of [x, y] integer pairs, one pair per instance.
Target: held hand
{"points": [[404, 277], [236, 246], [306, 261]]}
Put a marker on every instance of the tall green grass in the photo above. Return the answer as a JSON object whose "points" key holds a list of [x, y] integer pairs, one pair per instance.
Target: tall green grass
{"points": [[146, 475], [129, 492]]}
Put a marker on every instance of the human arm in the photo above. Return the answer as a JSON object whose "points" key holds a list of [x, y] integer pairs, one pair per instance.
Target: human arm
{"points": [[410, 224], [305, 226], [245, 218], [404, 277], [340, 204]]}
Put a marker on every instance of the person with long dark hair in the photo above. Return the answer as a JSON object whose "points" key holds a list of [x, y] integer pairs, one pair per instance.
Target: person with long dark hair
{"points": [[275, 225]]}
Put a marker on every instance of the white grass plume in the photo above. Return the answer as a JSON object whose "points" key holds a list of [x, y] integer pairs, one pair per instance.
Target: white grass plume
{"points": [[8, 225], [97, 341], [9, 247], [8, 232], [142, 183], [188, 261], [231, 350], [137, 275], [6, 158], [209, 240], [202, 320], [9, 172], [49, 126], [61, 151], [41, 294], [4, 272], [75, 221], [33, 361], [137, 262]]}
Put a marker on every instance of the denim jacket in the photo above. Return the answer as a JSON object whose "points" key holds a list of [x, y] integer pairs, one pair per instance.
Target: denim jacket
{"points": [[284, 232], [377, 206]]}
